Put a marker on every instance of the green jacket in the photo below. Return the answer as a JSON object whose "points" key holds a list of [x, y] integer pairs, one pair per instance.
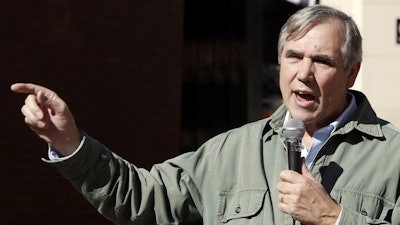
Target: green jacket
{"points": [[231, 179]]}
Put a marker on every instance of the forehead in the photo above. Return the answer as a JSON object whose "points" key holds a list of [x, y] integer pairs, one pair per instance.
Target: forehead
{"points": [[324, 36]]}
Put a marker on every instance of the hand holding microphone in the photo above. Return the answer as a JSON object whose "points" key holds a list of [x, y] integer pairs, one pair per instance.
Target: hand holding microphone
{"points": [[293, 131], [301, 196]]}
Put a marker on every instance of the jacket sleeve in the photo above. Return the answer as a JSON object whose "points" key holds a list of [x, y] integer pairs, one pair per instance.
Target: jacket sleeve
{"points": [[168, 194], [349, 216]]}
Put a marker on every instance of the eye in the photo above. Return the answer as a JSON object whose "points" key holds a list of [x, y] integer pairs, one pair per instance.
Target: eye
{"points": [[293, 55], [325, 61], [324, 64]]}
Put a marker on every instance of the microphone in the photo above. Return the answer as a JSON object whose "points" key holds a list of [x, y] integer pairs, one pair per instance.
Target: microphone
{"points": [[293, 131]]}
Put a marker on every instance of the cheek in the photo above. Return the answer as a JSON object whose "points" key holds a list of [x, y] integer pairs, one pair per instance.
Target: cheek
{"points": [[284, 84], [332, 91], [285, 77]]}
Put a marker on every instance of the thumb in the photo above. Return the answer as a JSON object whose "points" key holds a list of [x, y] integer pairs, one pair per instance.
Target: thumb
{"points": [[49, 100]]}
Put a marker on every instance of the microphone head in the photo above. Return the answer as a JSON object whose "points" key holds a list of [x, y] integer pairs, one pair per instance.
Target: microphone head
{"points": [[293, 128]]}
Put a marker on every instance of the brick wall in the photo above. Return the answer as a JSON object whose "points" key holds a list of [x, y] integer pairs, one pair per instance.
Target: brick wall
{"points": [[118, 64]]}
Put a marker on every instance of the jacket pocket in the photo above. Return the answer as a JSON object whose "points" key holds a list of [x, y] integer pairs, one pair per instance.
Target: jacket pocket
{"points": [[241, 206], [371, 205]]}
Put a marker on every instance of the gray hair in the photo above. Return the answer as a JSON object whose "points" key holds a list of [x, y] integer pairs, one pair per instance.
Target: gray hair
{"points": [[303, 20]]}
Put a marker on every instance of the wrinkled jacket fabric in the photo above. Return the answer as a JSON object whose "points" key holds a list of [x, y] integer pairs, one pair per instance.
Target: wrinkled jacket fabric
{"points": [[232, 178]]}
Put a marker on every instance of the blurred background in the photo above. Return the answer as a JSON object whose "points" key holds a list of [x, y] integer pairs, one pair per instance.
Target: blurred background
{"points": [[150, 80]]}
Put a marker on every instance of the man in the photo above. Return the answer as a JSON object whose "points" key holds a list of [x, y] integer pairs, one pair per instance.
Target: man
{"points": [[350, 175]]}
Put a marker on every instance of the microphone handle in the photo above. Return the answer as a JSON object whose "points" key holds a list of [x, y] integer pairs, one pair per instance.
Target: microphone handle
{"points": [[294, 156], [294, 159]]}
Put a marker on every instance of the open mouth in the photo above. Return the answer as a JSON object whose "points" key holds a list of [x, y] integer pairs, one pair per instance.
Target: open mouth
{"points": [[305, 96]]}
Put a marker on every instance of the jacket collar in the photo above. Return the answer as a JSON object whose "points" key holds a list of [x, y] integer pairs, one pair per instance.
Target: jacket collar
{"points": [[364, 118]]}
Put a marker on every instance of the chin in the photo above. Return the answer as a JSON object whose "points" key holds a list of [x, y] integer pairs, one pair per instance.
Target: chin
{"points": [[302, 114]]}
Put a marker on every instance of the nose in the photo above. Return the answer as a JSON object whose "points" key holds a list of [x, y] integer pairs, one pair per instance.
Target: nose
{"points": [[303, 76], [305, 72]]}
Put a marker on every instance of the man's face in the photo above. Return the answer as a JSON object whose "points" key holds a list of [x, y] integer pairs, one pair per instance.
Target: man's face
{"points": [[313, 81]]}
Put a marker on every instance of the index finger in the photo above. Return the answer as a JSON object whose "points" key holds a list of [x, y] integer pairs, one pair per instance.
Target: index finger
{"points": [[28, 88]]}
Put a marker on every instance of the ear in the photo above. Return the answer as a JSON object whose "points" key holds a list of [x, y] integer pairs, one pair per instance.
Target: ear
{"points": [[352, 74]]}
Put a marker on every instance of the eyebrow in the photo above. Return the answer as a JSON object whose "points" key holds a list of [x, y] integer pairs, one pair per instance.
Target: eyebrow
{"points": [[292, 52], [331, 61]]}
